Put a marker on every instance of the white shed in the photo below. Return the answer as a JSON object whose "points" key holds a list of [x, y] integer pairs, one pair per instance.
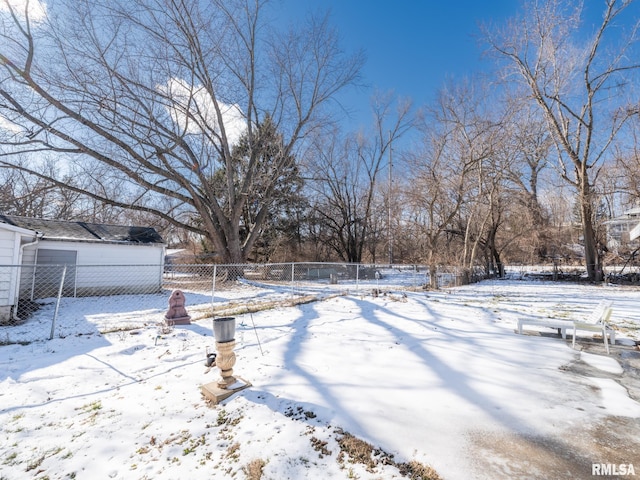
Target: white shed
{"points": [[97, 259], [12, 242]]}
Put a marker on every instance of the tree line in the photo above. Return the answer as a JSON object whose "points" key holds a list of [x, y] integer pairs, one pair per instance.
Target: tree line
{"points": [[212, 123]]}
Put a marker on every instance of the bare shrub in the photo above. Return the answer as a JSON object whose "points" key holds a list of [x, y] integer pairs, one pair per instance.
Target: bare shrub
{"points": [[253, 470]]}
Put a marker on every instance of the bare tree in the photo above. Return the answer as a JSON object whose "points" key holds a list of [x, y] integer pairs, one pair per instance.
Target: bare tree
{"points": [[574, 82], [628, 166], [435, 197], [527, 141], [30, 196], [348, 174], [152, 95], [22, 195], [446, 167]]}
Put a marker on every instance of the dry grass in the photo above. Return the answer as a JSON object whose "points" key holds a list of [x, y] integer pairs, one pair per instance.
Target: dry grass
{"points": [[233, 308], [364, 453], [358, 451], [418, 471], [254, 469]]}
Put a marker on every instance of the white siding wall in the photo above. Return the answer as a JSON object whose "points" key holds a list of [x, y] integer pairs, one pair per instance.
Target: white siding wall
{"points": [[29, 255], [26, 274], [7, 275], [96, 272], [103, 253], [7, 247]]}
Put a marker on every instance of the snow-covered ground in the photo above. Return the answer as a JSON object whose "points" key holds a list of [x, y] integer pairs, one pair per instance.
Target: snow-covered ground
{"points": [[439, 378]]}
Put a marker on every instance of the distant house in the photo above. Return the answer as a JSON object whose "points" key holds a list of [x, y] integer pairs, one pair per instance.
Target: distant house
{"points": [[624, 230], [97, 259]]}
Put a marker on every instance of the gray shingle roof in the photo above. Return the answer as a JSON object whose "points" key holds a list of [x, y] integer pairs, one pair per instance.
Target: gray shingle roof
{"points": [[84, 231]]}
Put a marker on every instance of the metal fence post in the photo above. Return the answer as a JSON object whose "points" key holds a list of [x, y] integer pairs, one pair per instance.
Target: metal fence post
{"points": [[55, 313], [213, 286]]}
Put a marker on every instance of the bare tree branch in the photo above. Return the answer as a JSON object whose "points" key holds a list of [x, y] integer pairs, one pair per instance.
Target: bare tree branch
{"points": [[158, 92]]}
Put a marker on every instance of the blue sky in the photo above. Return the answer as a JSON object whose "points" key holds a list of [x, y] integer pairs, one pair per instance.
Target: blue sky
{"points": [[412, 46]]}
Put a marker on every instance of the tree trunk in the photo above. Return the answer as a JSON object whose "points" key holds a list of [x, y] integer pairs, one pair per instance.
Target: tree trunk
{"points": [[433, 275], [591, 256], [433, 268]]}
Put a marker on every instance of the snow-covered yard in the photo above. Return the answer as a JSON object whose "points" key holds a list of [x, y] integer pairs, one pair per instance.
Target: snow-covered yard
{"points": [[437, 378]]}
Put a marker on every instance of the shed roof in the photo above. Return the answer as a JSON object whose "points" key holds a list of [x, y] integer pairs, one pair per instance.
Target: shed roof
{"points": [[84, 231]]}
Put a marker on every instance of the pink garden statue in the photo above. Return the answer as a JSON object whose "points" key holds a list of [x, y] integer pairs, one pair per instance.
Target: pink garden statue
{"points": [[177, 314]]}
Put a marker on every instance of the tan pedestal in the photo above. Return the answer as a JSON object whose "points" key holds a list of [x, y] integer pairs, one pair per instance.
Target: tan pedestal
{"points": [[214, 394], [225, 360]]}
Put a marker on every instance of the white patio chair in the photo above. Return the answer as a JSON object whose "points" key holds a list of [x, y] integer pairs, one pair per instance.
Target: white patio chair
{"points": [[597, 322]]}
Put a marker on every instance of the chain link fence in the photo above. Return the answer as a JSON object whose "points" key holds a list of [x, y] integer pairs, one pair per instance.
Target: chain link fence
{"points": [[63, 300]]}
